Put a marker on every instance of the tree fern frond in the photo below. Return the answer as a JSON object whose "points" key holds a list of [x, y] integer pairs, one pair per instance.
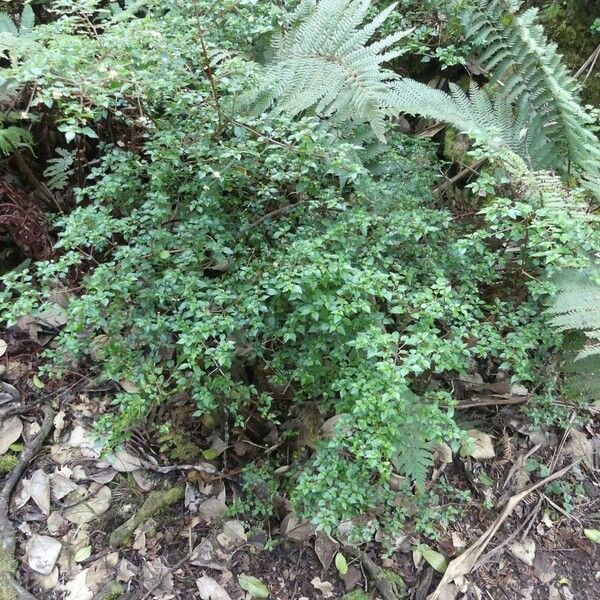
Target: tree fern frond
{"points": [[532, 73], [325, 62], [577, 307]]}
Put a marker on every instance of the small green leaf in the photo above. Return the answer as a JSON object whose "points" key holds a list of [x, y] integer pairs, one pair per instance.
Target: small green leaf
{"points": [[38, 382], [82, 554], [340, 563], [210, 454], [486, 479], [593, 535], [164, 254], [255, 587], [89, 132], [435, 559]]}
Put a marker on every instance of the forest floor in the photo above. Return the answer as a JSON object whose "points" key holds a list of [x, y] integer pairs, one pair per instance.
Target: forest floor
{"points": [[68, 503]]}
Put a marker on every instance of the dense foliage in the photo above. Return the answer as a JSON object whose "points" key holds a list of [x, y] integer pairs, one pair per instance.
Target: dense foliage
{"points": [[274, 268]]}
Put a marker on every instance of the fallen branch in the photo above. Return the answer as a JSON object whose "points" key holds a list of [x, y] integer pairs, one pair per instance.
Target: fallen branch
{"points": [[8, 539], [382, 583], [463, 564], [156, 502]]}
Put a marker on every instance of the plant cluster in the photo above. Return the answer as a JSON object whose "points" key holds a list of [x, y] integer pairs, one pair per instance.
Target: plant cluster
{"points": [[272, 266]]}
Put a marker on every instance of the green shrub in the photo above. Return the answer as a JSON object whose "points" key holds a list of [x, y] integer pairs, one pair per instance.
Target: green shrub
{"points": [[267, 268]]}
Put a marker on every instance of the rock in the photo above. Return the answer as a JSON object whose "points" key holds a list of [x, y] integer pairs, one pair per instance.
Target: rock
{"points": [[42, 553]]}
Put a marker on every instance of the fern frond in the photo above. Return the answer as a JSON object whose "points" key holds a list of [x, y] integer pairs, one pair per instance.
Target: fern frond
{"points": [[577, 307], [532, 75], [326, 63], [27, 20], [414, 459], [12, 138]]}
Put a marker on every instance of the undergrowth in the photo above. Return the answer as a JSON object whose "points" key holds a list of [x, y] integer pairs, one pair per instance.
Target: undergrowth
{"points": [[270, 269]]}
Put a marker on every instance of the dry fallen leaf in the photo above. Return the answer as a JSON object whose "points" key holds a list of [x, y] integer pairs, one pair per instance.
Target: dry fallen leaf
{"points": [[124, 462], [325, 549], [77, 588], [39, 489], [212, 510], [158, 580], [211, 590], [479, 446], [126, 570], [233, 535], [10, 431], [3, 347], [325, 587], [523, 550], [42, 553], [61, 486], [89, 509], [580, 447]]}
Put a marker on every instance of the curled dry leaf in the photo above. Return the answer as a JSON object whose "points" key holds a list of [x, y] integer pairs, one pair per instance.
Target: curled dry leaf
{"points": [[10, 431], [3, 347], [39, 489], [91, 508], [210, 590]]}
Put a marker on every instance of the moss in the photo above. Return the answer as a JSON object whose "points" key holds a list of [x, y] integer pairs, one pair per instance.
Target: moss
{"points": [[156, 502], [356, 595], [8, 462], [115, 592], [395, 580], [8, 566]]}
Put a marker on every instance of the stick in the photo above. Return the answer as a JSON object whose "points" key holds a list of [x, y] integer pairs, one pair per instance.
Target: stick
{"points": [[8, 539], [383, 585], [463, 564]]}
